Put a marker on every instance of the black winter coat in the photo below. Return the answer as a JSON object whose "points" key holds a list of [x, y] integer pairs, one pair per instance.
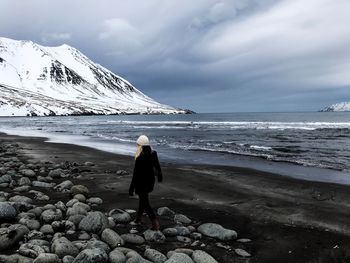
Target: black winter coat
{"points": [[145, 169]]}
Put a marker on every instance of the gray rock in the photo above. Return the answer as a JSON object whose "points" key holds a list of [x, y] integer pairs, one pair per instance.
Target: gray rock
{"points": [[7, 211], [62, 247], [89, 164], [217, 231], [32, 224], [244, 240], [120, 216], [94, 201], [27, 172], [111, 238], [71, 202], [30, 250], [24, 181], [67, 259], [34, 234], [42, 184], [155, 256], [165, 211], [39, 195], [57, 173], [40, 242], [153, 236], [186, 251], [64, 185], [20, 199], [133, 239], [200, 256], [47, 258], [48, 216], [182, 231], [61, 206], [94, 243], [182, 219], [12, 235], [15, 258], [84, 236], [76, 219], [21, 189], [122, 172], [179, 258], [94, 222], [242, 253], [5, 179], [80, 198], [116, 256], [47, 230], [95, 255], [196, 236], [79, 189], [170, 232]]}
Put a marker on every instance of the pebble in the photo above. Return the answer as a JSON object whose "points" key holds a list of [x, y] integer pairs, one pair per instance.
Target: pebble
{"points": [[94, 222], [94, 255], [7, 211], [116, 256], [120, 216], [179, 257], [165, 211], [47, 258], [242, 252], [244, 240]]}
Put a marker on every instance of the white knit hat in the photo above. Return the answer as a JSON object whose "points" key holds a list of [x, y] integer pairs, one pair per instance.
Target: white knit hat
{"points": [[143, 140]]}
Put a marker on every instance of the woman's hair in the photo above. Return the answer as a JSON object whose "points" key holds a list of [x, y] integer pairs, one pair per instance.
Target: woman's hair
{"points": [[142, 149]]}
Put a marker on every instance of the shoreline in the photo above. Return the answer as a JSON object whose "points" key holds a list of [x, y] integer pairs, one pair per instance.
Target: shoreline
{"points": [[280, 214], [258, 163]]}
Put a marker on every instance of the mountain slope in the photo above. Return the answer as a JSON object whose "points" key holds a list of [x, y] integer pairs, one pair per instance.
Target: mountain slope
{"points": [[38, 80], [342, 106]]}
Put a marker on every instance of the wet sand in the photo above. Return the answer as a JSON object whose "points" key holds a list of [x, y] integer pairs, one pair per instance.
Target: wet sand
{"points": [[286, 219]]}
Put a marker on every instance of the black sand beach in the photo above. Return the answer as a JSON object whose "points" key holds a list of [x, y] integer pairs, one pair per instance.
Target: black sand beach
{"points": [[287, 219]]}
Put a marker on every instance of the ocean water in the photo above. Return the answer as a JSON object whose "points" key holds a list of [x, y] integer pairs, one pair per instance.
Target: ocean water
{"points": [[317, 139]]}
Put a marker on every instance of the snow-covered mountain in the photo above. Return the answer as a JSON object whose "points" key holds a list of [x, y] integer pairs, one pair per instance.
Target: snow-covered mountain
{"points": [[342, 106], [39, 80]]}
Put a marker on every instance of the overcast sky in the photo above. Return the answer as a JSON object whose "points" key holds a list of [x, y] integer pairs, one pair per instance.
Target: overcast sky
{"points": [[206, 55]]}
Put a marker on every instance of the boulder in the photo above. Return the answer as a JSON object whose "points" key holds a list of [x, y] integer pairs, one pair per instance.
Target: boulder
{"points": [[24, 181], [217, 231], [7, 211], [94, 222], [95, 255], [200, 256], [111, 238], [94, 243]]}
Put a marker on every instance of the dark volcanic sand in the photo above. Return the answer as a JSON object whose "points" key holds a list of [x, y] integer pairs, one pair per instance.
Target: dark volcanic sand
{"points": [[287, 219]]}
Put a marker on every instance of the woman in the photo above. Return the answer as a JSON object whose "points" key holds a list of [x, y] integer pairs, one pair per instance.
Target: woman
{"points": [[145, 169]]}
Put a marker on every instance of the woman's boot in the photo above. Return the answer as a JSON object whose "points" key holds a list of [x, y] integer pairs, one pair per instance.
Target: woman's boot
{"points": [[155, 224]]}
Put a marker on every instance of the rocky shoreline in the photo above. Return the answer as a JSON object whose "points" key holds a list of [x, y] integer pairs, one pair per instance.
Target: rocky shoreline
{"points": [[49, 188], [35, 227]]}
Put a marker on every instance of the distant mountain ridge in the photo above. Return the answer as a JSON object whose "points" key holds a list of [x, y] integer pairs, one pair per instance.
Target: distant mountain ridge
{"points": [[37, 80], [341, 106]]}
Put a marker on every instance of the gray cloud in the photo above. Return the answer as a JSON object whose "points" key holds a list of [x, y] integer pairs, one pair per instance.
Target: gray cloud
{"points": [[234, 55]]}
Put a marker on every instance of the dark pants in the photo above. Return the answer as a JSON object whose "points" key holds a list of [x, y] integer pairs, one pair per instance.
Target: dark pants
{"points": [[145, 206]]}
